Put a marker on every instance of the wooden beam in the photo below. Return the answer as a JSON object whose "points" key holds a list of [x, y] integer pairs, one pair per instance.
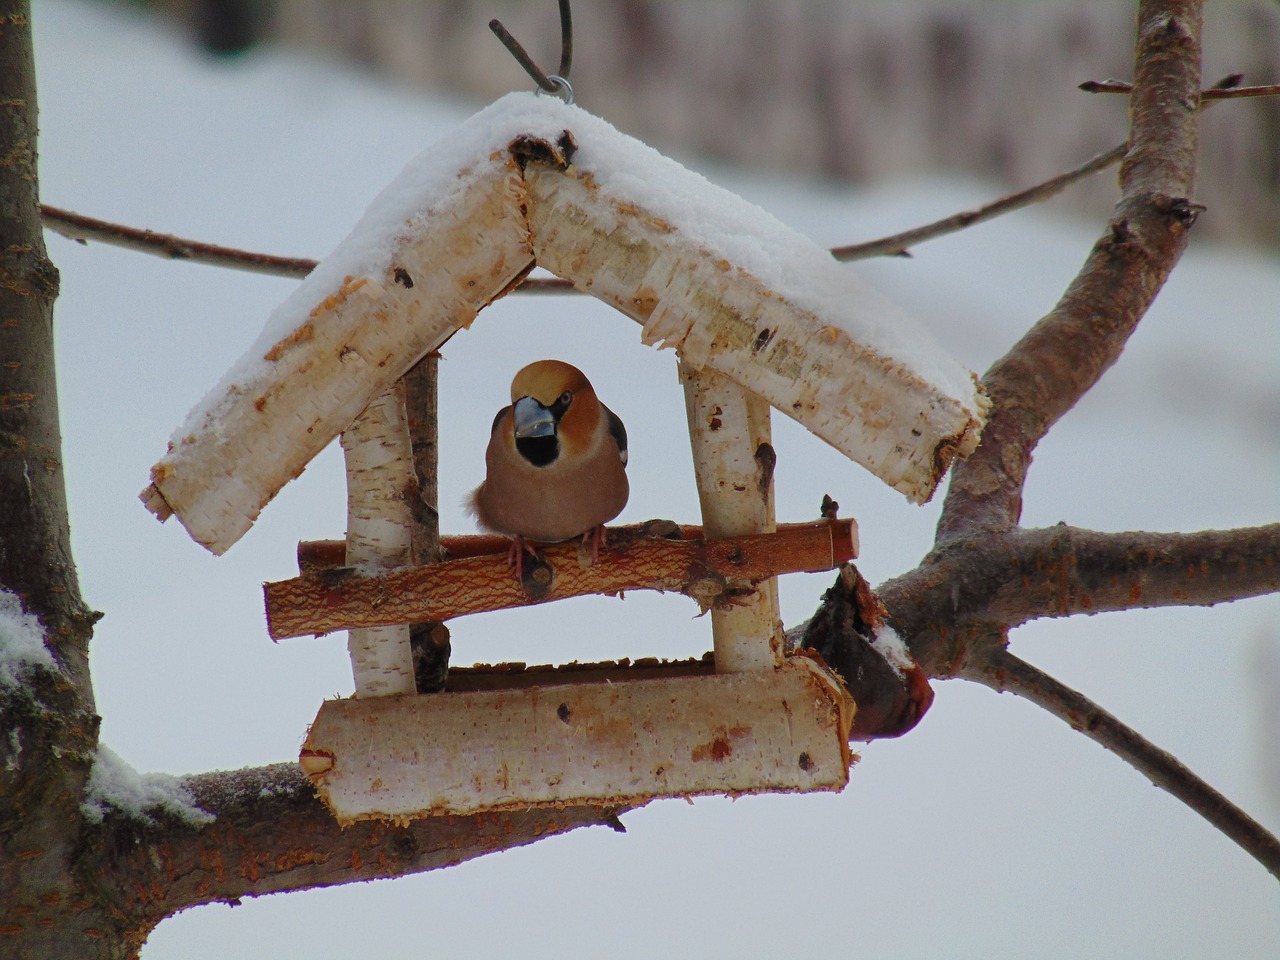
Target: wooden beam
{"points": [[322, 554], [712, 572], [399, 758], [285, 401], [806, 347]]}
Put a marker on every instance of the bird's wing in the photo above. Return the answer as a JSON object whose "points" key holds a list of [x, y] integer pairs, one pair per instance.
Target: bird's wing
{"points": [[617, 431]]}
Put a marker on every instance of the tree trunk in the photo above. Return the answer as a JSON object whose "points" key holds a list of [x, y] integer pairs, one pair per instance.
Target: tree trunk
{"points": [[48, 908]]}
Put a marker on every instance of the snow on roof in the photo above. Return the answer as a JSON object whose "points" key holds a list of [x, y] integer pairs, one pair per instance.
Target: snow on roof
{"points": [[725, 225], [214, 479]]}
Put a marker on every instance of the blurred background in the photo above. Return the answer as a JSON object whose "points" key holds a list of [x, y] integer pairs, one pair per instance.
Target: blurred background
{"points": [[983, 87], [991, 830]]}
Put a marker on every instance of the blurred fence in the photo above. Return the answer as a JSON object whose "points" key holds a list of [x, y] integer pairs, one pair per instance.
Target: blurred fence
{"points": [[859, 90]]}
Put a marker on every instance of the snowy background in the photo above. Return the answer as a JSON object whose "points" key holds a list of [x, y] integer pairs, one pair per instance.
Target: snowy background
{"points": [[991, 831]]}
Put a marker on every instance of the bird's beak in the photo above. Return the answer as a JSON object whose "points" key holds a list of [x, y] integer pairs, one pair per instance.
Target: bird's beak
{"points": [[532, 419]]}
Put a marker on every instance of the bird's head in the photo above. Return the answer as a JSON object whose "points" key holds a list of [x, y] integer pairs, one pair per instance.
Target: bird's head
{"points": [[554, 411]]}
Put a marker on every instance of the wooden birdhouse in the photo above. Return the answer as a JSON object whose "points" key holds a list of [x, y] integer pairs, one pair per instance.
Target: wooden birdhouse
{"points": [[759, 318]]}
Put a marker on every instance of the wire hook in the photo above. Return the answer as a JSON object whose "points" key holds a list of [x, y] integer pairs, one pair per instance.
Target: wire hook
{"points": [[558, 82]]}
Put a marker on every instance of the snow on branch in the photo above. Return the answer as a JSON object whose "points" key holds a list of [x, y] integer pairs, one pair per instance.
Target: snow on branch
{"points": [[114, 785], [22, 647]]}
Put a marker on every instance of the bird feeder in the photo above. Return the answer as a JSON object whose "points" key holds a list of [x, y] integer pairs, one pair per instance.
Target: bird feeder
{"points": [[760, 319]]}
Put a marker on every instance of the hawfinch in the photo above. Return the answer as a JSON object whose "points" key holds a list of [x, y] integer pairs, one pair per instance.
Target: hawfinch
{"points": [[555, 463]]}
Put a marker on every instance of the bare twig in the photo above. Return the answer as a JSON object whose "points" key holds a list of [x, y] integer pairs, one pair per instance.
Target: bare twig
{"points": [[76, 226], [1065, 353], [1211, 93], [898, 244], [1003, 671], [522, 56]]}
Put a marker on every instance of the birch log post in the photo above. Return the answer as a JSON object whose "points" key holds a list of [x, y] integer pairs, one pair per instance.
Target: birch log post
{"points": [[733, 463], [380, 526]]}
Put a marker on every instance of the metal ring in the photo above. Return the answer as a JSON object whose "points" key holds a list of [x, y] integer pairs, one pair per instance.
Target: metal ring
{"points": [[564, 90]]}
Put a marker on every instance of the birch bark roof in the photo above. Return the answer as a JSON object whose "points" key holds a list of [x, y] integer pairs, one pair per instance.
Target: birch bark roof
{"points": [[727, 284]]}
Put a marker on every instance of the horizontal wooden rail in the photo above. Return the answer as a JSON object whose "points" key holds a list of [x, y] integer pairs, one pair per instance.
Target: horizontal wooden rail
{"points": [[712, 572], [318, 554]]}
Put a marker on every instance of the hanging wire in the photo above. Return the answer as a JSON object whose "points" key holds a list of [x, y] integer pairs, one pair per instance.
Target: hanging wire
{"points": [[557, 83]]}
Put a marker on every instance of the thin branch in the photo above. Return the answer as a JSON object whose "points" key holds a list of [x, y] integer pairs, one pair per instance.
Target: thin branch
{"points": [[82, 229], [1210, 93], [1008, 579], [1065, 353], [1003, 671], [898, 244], [517, 50], [78, 227]]}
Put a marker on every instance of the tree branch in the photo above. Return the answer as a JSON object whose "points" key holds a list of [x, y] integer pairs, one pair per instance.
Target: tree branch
{"points": [[271, 834], [1219, 92], [1008, 579], [81, 228], [897, 245], [1002, 671], [1065, 353]]}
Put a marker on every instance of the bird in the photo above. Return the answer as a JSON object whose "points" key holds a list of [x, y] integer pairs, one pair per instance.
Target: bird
{"points": [[555, 467]]}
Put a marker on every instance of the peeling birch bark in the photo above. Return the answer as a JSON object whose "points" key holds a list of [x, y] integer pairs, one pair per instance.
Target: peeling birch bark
{"points": [[733, 463], [379, 462], [326, 600], [729, 287], [609, 743], [875, 409], [360, 336]]}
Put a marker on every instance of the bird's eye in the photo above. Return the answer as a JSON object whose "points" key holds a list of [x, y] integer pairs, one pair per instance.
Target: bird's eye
{"points": [[565, 398]]}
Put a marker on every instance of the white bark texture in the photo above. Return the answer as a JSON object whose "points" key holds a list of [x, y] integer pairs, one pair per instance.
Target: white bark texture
{"points": [[894, 420], [732, 459], [659, 244], [380, 478], [356, 342], [623, 743]]}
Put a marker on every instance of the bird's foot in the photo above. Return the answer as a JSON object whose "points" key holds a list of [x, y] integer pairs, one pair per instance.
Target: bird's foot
{"points": [[516, 554], [594, 539]]}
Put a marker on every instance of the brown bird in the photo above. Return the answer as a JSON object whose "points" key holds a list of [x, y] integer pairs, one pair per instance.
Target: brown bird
{"points": [[555, 467]]}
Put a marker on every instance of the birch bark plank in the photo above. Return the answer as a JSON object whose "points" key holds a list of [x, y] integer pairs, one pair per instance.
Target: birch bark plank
{"points": [[361, 337], [399, 758]]}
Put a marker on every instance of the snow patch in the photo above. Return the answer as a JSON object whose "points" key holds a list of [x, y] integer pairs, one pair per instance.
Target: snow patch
{"points": [[21, 641], [114, 784], [889, 645]]}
